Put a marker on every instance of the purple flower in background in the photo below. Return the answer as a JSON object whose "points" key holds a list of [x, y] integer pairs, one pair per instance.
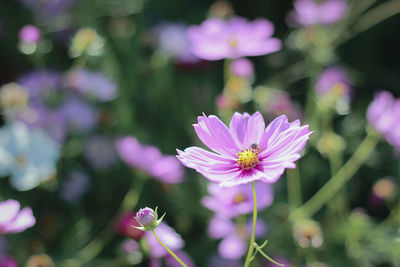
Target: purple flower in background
{"points": [[7, 261], [50, 120], [233, 244], [91, 84], [310, 12], [129, 246], [333, 89], [150, 160], [80, 116], [242, 67], [233, 201], [247, 151], [45, 9], [168, 236], [173, 42], [100, 152], [29, 34], [14, 220], [217, 39], [384, 116], [41, 84], [75, 187], [333, 79]]}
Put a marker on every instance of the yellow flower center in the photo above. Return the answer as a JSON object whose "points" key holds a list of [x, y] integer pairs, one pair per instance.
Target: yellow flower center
{"points": [[338, 89], [232, 42], [239, 198], [248, 158], [20, 160]]}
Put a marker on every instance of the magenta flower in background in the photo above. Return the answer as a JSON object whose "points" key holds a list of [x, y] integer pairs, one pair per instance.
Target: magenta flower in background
{"points": [[123, 226], [150, 160], [384, 116], [311, 12], [7, 261], [233, 201], [91, 84], [217, 39], [242, 67], [14, 220], [246, 151], [29, 34]]}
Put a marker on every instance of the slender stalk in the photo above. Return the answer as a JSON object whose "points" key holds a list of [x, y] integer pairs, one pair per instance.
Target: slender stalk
{"points": [[94, 247], [169, 251], [332, 187], [258, 248], [253, 233]]}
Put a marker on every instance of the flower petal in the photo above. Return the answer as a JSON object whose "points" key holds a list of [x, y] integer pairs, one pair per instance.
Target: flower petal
{"points": [[23, 220], [214, 134], [232, 247], [8, 211], [247, 129], [213, 166]]}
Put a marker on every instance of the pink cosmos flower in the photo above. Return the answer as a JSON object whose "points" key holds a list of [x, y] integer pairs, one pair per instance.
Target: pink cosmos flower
{"points": [[384, 115], [310, 12], [150, 160], [242, 67], [14, 220], [233, 243], [217, 39], [246, 151], [233, 201]]}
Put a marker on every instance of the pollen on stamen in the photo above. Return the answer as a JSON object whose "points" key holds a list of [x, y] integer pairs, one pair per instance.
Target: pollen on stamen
{"points": [[248, 158]]}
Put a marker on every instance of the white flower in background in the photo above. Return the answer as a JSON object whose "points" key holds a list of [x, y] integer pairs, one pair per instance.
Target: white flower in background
{"points": [[29, 156]]}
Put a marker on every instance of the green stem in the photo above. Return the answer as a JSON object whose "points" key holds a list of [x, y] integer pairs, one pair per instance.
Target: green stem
{"points": [[266, 256], [294, 188], [94, 247], [333, 186], [372, 18], [170, 251], [253, 233]]}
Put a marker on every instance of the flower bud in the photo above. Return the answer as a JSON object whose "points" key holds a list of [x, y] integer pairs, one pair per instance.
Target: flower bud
{"points": [[148, 219]]}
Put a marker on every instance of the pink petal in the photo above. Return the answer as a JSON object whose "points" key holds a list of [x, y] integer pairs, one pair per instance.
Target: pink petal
{"points": [[214, 134], [213, 166], [23, 220], [247, 129], [232, 247], [220, 227], [8, 211]]}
